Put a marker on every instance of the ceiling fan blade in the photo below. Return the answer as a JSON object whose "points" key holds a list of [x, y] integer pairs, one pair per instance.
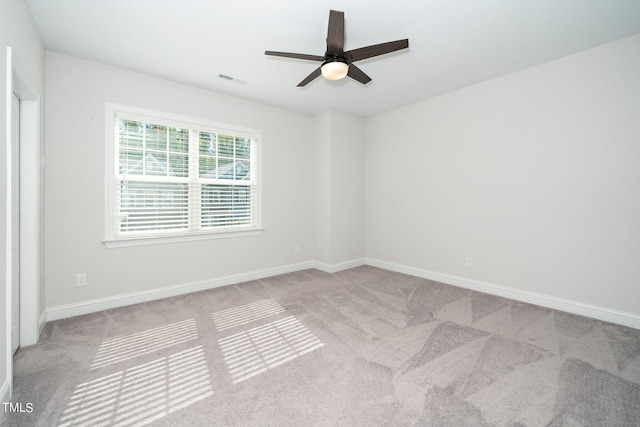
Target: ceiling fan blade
{"points": [[376, 50], [335, 33], [310, 77], [295, 55], [357, 74]]}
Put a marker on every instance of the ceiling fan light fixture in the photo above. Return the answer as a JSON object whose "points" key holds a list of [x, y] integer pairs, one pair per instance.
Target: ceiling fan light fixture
{"points": [[336, 62], [334, 69]]}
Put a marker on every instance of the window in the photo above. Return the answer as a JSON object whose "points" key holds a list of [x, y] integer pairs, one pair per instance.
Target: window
{"points": [[170, 176]]}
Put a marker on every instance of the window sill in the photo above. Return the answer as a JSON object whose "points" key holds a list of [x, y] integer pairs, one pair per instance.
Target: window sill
{"points": [[159, 240]]}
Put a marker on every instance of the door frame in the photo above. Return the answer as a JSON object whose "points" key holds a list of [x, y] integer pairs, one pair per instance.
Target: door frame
{"points": [[31, 320], [16, 191]]}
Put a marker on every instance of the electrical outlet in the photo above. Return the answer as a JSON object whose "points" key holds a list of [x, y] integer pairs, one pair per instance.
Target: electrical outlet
{"points": [[81, 279], [469, 262], [297, 249]]}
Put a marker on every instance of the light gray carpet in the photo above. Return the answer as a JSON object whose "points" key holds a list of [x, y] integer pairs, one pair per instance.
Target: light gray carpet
{"points": [[363, 347]]}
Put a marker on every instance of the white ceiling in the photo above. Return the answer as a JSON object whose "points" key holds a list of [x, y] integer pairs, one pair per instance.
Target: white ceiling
{"points": [[452, 43]]}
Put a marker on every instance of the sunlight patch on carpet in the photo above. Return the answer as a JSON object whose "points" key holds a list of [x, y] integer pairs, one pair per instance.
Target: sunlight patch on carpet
{"points": [[247, 313], [127, 347], [252, 352], [142, 394]]}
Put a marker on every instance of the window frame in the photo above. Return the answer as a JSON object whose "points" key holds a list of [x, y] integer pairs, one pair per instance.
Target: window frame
{"points": [[112, 240]]}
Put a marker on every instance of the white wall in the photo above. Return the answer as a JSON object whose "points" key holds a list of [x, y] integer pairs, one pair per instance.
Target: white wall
{"points": [[322, 166], [339, 163], [535, 175], [347, 188], [17, 31], [76, 94]]}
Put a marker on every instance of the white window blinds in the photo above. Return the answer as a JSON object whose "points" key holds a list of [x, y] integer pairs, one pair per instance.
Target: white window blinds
{"points": [[180, 178]]}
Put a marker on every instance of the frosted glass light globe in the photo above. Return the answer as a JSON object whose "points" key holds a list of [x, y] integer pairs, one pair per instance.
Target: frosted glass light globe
{"points": [[334, 70]]}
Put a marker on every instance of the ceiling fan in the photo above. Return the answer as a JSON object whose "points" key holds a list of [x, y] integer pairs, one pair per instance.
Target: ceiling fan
{"points": [[336, 63]]}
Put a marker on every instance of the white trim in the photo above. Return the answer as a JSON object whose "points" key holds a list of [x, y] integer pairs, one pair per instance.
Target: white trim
{"points": [[4, 395], [112, 108], [42, 321], [112, 111], [596, 312], [601, 313], [29, 200], [8, 356], [29, 221], [334, 268], [157, 240], [85, 307], [18, 81]]}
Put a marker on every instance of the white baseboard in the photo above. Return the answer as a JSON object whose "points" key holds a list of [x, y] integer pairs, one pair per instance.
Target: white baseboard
{"points": [[602, 313], [85, 307], [570, 306], [334, 268]]}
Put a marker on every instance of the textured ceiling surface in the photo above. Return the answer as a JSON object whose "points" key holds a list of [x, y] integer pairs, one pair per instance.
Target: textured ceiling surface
{"points": [[452, 43]]}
